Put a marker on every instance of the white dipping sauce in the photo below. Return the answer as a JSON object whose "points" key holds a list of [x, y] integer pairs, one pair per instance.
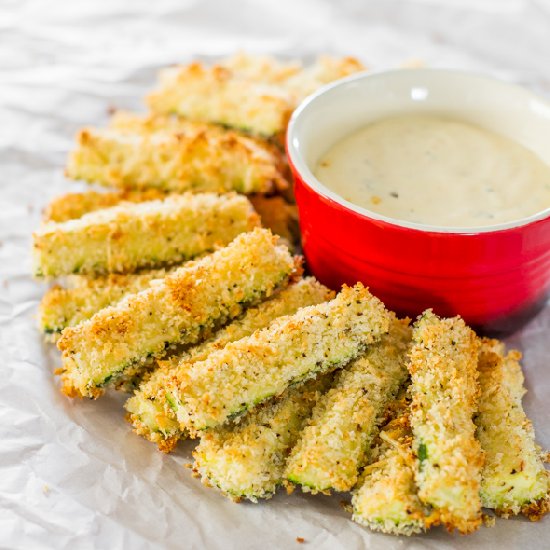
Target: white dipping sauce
{"points": [[436, 171]]}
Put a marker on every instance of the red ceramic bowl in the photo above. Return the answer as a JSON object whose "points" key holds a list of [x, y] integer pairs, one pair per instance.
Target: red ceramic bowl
{"points": [[496, 277]]}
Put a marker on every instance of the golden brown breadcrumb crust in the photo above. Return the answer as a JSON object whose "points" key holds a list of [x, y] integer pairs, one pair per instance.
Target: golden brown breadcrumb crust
{"points": [[175, 155], [275, 212], [130, 236], [514, 479], [386, 497], [445, 391], [64, 307]]}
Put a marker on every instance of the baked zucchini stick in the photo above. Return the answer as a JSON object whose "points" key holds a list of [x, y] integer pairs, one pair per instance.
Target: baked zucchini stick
{"points": [[216, 94], [275, 213], [513, 479], [171, 154], [279, 216], [149, 234], [247, 459], [291, 349], [182, 308], [149, 410], [445, 391], [244, 95], [72, 206], [336, 440], [66, 307], [386, 498]]}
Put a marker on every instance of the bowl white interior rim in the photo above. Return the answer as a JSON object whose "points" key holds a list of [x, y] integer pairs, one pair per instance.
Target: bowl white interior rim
{"points": [[298, 161]]}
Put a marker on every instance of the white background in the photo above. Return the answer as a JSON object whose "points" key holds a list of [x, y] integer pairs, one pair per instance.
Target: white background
{"points": [[72, 474]]}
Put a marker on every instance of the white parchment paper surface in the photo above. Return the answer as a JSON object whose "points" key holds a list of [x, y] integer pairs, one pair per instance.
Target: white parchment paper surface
{"points": [[72, 474]]}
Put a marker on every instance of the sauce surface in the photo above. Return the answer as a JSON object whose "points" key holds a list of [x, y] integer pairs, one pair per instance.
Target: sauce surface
{"points": [[437, 171]]}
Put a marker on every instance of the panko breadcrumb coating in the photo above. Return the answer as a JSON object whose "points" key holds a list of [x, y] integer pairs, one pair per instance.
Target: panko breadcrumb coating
{"points": [[513, 479], [275, 213], [336, 440], [67, 307], [172, 154], [445, 391], [247, 459], [386, 498], [149, 234], [257, 96], [149, 410], [290, 350], [182, 308]]}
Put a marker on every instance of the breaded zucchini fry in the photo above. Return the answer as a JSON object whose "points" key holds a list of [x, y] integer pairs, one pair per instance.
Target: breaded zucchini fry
{"points": [[336, 441], [171, 154], [72, 206], [247, 459], [242, 93], [290, 350], [66, 307], [279, 216], [445, 390], [149, 410], [513, 479], [326, 69], [216, 94], [183, 308], [262, 68], [386, 497], [275, 213], [149, 234]]}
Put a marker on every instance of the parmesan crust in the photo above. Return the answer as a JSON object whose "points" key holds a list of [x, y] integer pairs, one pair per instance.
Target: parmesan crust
{"points": [[335, 443], [514, 479], [247, 459], [386, 498], [149, 234], [182, 308], [171, 154], [445, 390], [151, 413], [255, 95], [290, 350]]}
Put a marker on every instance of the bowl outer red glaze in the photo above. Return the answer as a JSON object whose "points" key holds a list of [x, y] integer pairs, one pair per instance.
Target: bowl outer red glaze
{"points": [[485, 277]]}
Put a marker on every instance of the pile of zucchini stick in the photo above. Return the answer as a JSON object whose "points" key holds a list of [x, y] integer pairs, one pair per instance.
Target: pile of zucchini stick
{"points": [[179, 285]]}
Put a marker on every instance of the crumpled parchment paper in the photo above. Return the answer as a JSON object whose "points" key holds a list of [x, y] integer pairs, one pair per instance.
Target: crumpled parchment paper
{"points": [[72, 474]]}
